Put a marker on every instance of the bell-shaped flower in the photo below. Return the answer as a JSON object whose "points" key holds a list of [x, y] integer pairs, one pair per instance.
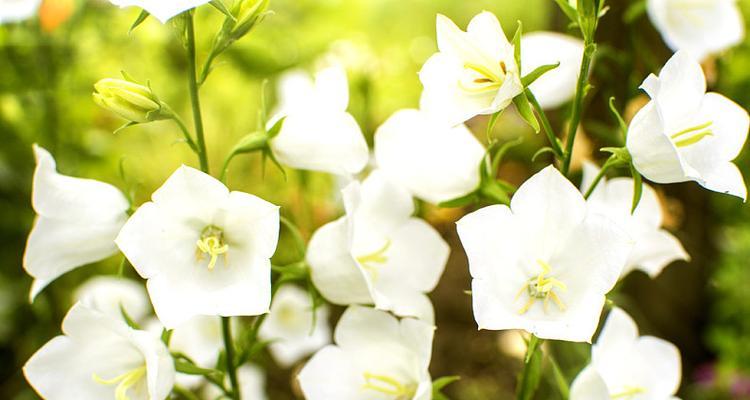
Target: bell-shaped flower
{"points": [[293, 328], [204, 250], [627, 366], [378, 253], [686, 134], [654, 247], [100, 357], [112, 294], [76, 224], [317, 133], [543, 264], [558, 86], [376, 356], [473, 73], [700, 27], [251, 379], [163, 10], [432, 160], [18, 10]]}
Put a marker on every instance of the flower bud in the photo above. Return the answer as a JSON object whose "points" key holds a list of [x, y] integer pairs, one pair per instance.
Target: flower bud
{"points": [[248, 13], [134, 102]]}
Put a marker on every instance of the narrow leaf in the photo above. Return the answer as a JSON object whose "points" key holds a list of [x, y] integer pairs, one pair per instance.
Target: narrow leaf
{"points": [[637, 188], [517, 44], [219, 5], [538, 72], [185, 367], [459, 201], [527, 113], [569, 11], [620, 121], [131, 323], [141, 17], [545, 149]]}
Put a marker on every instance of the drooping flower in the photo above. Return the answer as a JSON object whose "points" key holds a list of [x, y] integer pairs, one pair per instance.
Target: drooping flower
{"points": [[557, 86], [433, 161], [473, 73], [378, 253], [252, 381], [204, 250], [686, 134], [18, 10], [654, 247], [163, 10], [317, 133], [543, 264], [108, 294], [376, 356], [100, 357], [701, 27], [76, 224], [627, 366], [292, 327]]}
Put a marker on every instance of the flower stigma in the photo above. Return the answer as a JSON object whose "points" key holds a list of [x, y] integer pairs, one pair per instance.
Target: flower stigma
{"points": [[692, 135], [211, 243], [124, 382], [376, 257], [628, 392], [389, 386], [542, 288]]}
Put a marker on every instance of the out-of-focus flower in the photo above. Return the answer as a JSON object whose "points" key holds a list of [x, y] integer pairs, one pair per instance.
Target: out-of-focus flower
{"points": [[252, 381], [109, 293], [77, 222], [557, 86], [654, 248], [18, 10], [686, 134], [54, 13], [701, 28], [376, 356], [317, 133], [129, 100], [204, 250], [293, 328], [163, 10], [626, 366], [100, 357], [378, 253], [543, 264], [433, 161], [473, 73]]}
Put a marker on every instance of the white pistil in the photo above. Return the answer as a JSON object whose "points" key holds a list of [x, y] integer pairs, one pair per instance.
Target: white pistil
{"points": [[542, 287], [124, 382], [376, 257], [211, 243]]}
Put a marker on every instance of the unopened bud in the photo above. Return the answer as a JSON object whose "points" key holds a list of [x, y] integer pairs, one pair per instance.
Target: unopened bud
{"points": [[132, 101], [248, 12]]}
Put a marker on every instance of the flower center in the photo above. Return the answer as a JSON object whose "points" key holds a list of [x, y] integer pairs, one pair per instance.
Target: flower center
{"points": [[479, 78], [212, 244], [390, 386], [628, 392], [692, 135], [542, 287], [124, 382], [370, 261]]}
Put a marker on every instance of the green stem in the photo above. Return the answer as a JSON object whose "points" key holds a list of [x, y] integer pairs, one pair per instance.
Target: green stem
{"points": [[528, 379], [554, 143], [226, 329], [185, 132], [598, 178], [225, 168], [575, 120], [183, 393], [194, 98]]}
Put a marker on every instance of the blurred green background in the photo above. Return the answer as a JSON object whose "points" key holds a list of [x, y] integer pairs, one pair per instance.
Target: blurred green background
{"points": [[48, 67]]}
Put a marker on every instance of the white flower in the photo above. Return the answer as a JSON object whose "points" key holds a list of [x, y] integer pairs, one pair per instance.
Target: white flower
{"points": [[163, 10], [108, 293], [251, 380], [473, 73], [76, 224], [376, 356], [433, 161], [318, 134], [378, 253], [654, 248], [701, 27], [686, 134], [204, 250], [543, 264], [100, 357], [626, 366], [557, 86], [292, 327], [18, 10]]}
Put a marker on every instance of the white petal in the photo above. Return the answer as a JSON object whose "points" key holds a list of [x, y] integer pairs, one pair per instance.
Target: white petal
{"points": [[13, 11], [729, 127], [191, 194], [377, 205], [681, 88], [160, 372], [558, 86], [411, 304], [619, 332], [107, 294], [588, 385], [653, 251], [295, 88], [330, 375], [163, 10], [485, 33], [417, 336], [490, 241], [249, 223], [664, 359], [332, 88], [364, 326]]}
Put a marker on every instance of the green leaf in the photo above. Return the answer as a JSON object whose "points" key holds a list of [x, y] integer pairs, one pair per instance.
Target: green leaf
{"points": [[545, 149], [568, 10], [491, 123], [166, 336], [502, 150], [620, 121], [637, 187], [141, 17], [254, 141], [526, 111], [276, 128], [439, 384], [131, 323], [517, 44], [538, 72], [183, 366], [219, 5]]}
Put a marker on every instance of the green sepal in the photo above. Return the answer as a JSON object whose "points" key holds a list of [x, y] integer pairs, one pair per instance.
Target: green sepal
{"points": [[166, 336], [517, 44], [183, 366], [538, 72], [545, 149], [459, 201], [620, 121], [438, 385], [526, 111], [492, 121], [637, 188], [141, 18], [620, 156], [254, 141], [568, 10], [276, 128], [128, 320], [219, 5], [124, 126]]}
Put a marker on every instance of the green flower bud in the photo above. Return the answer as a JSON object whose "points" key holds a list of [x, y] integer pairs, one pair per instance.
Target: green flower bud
{"points": [[134, 102], [248, 13]]}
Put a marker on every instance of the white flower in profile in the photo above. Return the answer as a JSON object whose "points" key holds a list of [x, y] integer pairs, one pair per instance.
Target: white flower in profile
{"points": [[473, 73], [100, 357], [318, 134], [686, 134], [76, 224], [434, 161], [163, 10], [292, 327], [557, 86], [252, 381], [18, 10], [378, 253], [543, 264], [626, 366], [654, 247], [376, 356], [108, 293], [203, 249], [701, 27]]}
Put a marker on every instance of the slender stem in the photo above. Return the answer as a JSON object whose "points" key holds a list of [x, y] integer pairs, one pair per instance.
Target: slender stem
{"points": [[225, 168], [184, 393], [554, 143], [226, 329], [185, 132], [194, 98], [528, 380], [597, 179], [583, 76]]}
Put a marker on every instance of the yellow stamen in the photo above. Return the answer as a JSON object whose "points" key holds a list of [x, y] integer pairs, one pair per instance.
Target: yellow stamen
{"points": [[211, 243], [484, 71], [124, 382], [542, 288], [376, 257], [697, 133], [628, 392], [389, 386]]}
